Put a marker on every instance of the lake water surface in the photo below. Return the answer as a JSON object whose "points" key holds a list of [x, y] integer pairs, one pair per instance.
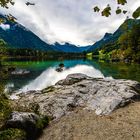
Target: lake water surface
{"points": [[43, 73]]}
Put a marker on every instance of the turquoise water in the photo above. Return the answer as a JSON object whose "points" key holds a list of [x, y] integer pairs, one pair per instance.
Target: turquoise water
{"points": [[43, 73]]}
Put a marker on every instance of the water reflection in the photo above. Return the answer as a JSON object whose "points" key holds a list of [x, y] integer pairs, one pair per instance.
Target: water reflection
{"points": [[51, 76], [43, 73]]}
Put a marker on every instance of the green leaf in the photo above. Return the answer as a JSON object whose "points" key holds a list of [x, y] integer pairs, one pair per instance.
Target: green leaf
{"points": [[2, 20], [107, 11], [136, 13], [124, 11], [122, 2], [4, 3], [11, 18], [118, 11], [96, 9]]}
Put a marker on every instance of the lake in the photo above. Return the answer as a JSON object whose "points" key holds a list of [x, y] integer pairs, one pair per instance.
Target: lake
{"points": [[43, 73]]}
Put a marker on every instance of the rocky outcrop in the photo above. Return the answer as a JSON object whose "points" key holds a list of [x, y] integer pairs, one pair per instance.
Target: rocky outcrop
{"points": [[22, 120], [31, 123], [79, 90]]}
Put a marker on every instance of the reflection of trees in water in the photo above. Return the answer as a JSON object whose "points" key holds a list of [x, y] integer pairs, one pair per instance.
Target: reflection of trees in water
{"points": [[118, 70]]}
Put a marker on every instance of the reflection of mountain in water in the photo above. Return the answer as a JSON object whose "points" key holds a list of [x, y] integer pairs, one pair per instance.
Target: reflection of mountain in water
{"points": [[36, 68], [51, 76]]}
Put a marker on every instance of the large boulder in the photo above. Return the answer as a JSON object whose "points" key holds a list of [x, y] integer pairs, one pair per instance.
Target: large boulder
{"points": [[72, 79], [25, 121], [79, 90], [22, 120]]}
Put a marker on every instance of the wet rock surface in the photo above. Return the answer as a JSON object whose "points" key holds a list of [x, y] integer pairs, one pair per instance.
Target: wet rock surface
{"points": [[78, 90]]}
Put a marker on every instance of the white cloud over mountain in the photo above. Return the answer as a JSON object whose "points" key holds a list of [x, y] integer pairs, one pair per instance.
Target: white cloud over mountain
{"points": [[70, 21]]}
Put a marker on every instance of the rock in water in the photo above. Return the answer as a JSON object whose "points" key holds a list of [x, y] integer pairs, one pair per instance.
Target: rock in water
{"points": [[59, 69], [79, 90], [20, 72]]}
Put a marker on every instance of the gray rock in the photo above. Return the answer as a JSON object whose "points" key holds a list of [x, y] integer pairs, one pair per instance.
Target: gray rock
{"points": [[72, 79], [20, 72], [79, 90], [22, 120]]}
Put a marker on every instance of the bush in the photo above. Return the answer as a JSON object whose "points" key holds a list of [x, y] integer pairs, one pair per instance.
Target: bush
{"points": [[43, 122], [5, 109], [12, 134]]}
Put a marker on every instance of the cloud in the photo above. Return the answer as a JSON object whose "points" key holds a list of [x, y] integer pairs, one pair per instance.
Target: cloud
{"points": [[70, 21], [5, 26]]}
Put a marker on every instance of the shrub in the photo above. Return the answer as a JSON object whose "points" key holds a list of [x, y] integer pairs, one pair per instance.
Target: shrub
{"points": [[12, 134]]}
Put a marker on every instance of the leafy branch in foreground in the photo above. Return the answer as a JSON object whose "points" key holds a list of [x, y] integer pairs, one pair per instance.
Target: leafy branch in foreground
{"points": [[4, 3], [136, 14], [107, 10]]}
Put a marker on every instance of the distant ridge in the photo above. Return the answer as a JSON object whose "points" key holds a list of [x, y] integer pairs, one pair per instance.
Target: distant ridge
{"points": [[110, 38], [17, 36]]}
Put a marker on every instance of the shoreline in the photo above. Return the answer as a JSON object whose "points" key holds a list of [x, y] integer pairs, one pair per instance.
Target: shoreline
{"points": [[74, 98]]}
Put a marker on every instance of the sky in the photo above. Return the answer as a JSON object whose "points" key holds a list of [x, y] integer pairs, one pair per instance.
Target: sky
{"points": [[71, 21]]}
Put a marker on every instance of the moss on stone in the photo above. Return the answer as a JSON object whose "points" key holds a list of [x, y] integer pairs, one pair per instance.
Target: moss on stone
{"points": [[49, 89], [34, 107], [12, 134], [42, 122]]}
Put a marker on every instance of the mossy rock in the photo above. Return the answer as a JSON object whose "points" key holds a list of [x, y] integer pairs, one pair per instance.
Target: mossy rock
{"points": [[34, 107], [31, 123], [12, 134], [49, 89]]}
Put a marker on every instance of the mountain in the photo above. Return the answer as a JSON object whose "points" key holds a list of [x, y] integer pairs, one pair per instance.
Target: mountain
{"points": [[65, 47], [69, 48], [107, 38], [17, 36], [82, 49], [111, 38]]}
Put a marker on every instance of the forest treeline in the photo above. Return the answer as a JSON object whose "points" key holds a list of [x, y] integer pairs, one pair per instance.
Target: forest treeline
{"points": [[126, 48], [7, 51]]}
